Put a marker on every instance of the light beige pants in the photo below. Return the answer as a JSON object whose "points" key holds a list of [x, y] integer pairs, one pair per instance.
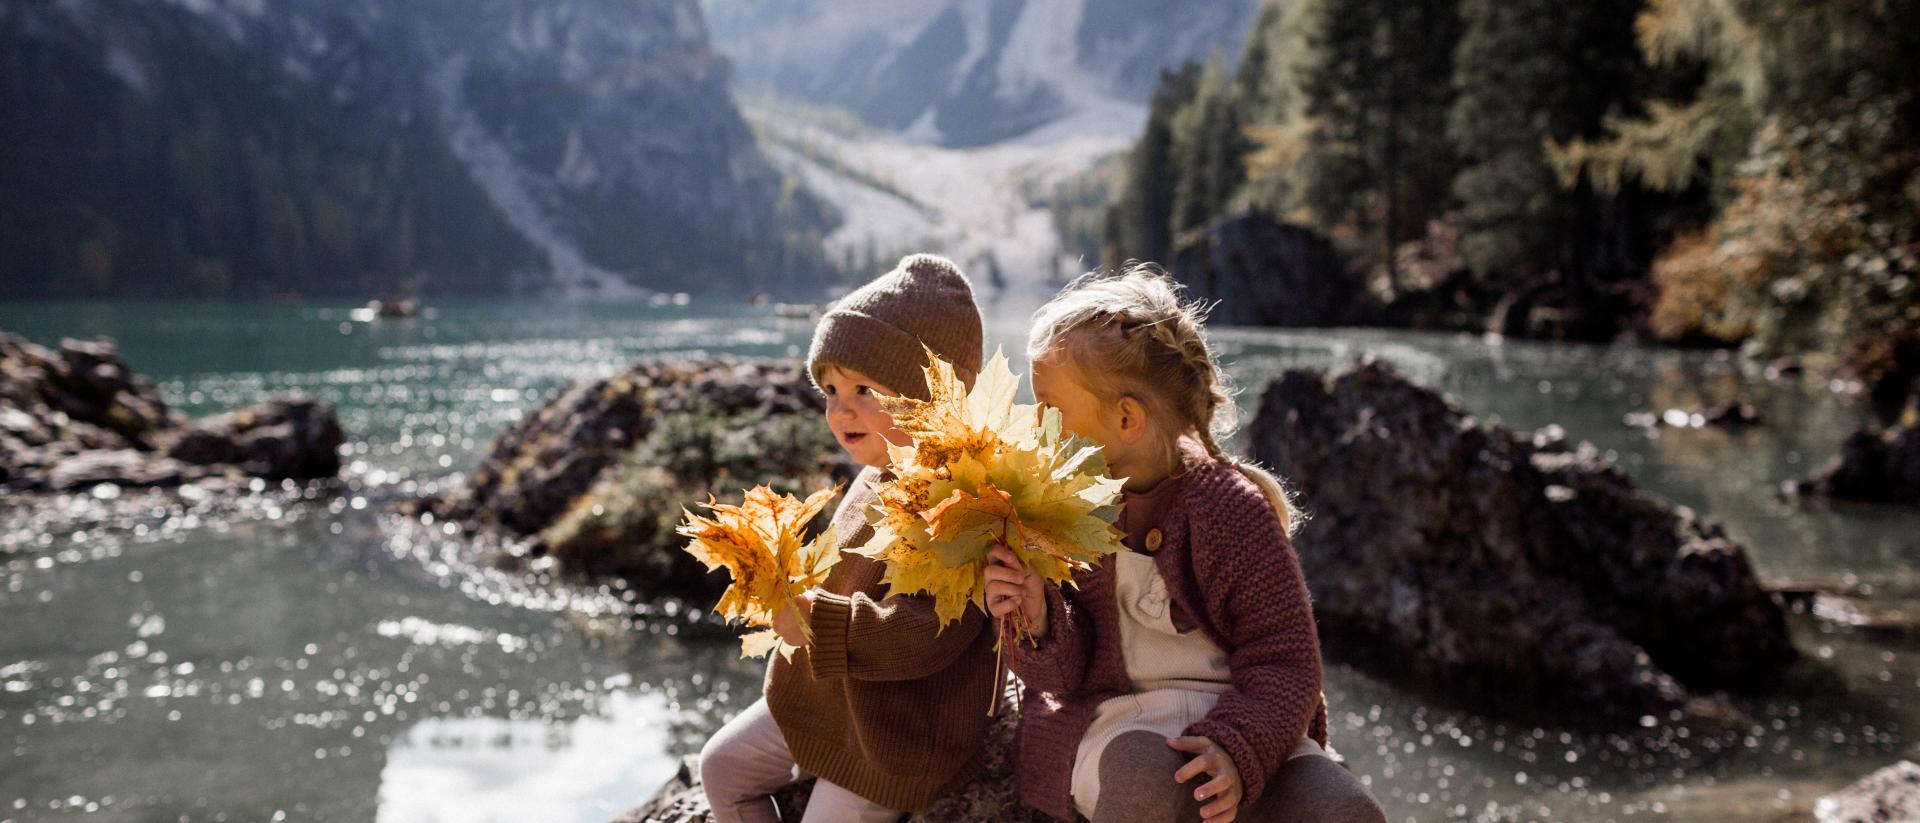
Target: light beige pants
{"points": [[745, 762]]}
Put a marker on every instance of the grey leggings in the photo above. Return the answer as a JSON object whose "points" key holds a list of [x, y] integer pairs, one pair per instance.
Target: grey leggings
{"points": [[1136, 784]]}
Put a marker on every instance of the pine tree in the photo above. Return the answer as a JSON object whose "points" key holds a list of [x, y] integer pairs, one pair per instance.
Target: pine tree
{"points": [[1527, 72], [1209, 152], [1377, 88], [1142, 227]]}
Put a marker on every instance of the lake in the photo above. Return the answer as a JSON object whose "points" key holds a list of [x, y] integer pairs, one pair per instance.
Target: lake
{"points": [[302, 654]]}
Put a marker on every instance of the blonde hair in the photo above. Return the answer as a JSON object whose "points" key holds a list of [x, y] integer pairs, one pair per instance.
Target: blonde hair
{"points": [[1128, 333]]}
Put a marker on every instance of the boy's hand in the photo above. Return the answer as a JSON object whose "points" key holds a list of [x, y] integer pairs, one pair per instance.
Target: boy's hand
{"points": [[1224, 790], [1014, 590], [787, 622]]}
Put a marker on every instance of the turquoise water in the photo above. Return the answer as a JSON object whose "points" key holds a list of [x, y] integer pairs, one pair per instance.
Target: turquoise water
{"points": [[297, 654]]}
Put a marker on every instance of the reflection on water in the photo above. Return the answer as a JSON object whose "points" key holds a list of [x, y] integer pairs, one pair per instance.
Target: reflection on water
{"points": [[293, 653], [481, 769]]}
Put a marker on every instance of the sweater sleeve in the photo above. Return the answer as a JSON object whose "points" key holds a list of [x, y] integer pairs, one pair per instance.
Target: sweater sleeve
{"points": [[1057, 660], [1256, 597], [894, 638]]}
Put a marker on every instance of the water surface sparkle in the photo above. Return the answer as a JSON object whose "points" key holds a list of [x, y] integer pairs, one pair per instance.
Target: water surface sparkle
{"points": [[293, 652]]}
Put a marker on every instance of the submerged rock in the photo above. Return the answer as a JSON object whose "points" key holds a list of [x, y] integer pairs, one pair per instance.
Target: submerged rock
{"points": [[1507, 566], [598, 476], [78, 416], [1873, 467], [1734, 416], [1887, 605], [1888, 795]]}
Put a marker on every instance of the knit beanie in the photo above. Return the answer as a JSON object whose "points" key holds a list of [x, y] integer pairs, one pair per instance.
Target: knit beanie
{"points": [[880, 328]]}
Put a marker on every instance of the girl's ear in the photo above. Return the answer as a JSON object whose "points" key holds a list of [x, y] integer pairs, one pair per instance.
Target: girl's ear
{"points": [[1132, 422]]}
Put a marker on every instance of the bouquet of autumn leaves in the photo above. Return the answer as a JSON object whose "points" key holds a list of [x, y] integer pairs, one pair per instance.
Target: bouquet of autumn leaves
{"points": [[760, 543], [982, 470]]}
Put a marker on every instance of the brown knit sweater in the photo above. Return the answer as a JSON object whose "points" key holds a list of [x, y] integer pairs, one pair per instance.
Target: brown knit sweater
{"points": [[1231, 570], [883, 703]]}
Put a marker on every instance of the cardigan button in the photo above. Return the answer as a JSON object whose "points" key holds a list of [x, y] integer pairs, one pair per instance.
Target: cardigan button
{"points": [[1153, 540]]}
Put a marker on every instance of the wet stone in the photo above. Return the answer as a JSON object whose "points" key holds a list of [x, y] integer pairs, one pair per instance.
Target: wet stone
{"points": [[77, 416], [1888, 795], [1876, 467]]}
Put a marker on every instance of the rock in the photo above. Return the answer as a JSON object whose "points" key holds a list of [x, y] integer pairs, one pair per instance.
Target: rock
{"points": [[1264, 273], [1883, 608], [1273, 274], [294, 437], [1732, 416], [1785, 367], [83, 383], [1505, 564], [535, 469], [1873, 467], [598, 476], [683, 799], [1890, 795], [78, 416], [1434, 286], [989, 798], [121, 467]]}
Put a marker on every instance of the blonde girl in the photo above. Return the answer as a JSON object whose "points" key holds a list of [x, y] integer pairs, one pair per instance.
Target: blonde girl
{"points": [[1180, 680]]}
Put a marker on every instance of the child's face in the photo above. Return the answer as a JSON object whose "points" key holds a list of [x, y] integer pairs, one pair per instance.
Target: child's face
{"points": [[1056, 384], [854, 415]]}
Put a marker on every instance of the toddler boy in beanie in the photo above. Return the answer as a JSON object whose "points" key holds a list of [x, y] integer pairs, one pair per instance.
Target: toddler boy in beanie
{"points": [[882, 700], [879, 329]]}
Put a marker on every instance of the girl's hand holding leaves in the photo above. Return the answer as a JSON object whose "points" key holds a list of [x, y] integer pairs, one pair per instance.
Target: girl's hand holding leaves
{"points": [[1014, 591]]}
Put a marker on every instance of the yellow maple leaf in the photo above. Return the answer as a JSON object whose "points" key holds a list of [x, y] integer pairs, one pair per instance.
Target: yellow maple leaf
{"points": [[980, 470], [761, 544]]}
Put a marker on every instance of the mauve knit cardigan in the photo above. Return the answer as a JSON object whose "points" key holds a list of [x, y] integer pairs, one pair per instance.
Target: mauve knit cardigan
{"points": [[1229, 567]]}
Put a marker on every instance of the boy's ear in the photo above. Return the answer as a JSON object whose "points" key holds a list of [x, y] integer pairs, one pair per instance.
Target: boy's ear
{"points": [[1132, 422]]}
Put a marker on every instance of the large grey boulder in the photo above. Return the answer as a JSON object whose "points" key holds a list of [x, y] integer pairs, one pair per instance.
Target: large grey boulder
{"points": [[1491, 563]]}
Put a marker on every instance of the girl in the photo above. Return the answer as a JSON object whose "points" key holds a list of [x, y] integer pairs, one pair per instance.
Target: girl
{"points": [[1180, 679], [882, 706]]}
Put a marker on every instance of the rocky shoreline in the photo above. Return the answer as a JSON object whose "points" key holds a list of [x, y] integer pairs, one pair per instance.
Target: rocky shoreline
{"points": [[1517, 567], [77, 417], [1491, 561]]}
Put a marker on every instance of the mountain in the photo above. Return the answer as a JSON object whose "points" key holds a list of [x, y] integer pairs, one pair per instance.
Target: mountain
{"points": [[974, 72], [348, 147]]}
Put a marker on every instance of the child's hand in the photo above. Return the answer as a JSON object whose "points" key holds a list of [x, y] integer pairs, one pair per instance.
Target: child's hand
{"points": [[1224, 789], [787, 622], [1013, 589]]}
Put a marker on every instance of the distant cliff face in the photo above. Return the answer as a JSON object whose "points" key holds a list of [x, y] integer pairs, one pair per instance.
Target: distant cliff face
{"points": [[234, 147], [972, 72]]}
